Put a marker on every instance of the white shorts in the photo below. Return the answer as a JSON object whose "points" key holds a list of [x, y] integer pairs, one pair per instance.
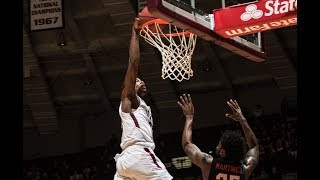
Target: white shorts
{"points": [[140, 163]]}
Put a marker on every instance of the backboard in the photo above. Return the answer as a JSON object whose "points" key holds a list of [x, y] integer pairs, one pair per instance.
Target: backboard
{"points": [[184, 14]]}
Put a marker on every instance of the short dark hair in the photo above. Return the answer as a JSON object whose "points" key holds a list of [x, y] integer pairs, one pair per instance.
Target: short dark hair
{"points": [[234, 145]]}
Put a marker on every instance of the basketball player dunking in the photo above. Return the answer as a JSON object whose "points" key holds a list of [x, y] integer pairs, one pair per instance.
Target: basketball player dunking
{"points": [[137, 160], [232, 162]]}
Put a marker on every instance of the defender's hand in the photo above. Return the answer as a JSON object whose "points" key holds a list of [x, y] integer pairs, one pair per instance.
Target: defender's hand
{"points": [[186, 105], [236, 111]]}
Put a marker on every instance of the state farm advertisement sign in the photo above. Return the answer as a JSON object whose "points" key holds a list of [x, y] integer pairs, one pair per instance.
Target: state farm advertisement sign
{"points": [[255, 17]]}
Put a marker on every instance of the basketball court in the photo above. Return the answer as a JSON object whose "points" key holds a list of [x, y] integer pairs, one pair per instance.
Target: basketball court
{"points": [[73, 73]]}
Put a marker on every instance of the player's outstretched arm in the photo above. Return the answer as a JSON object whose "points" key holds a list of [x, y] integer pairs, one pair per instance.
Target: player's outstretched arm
{"points": [[128, 92], [198, 157], [252, 156]]}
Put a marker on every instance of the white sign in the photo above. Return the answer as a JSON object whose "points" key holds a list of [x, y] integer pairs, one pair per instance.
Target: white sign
{"points": [[45, 14]]}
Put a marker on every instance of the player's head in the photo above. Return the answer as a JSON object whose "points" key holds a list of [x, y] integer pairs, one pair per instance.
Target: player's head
{"points": [[140, 87], [231, 146]]}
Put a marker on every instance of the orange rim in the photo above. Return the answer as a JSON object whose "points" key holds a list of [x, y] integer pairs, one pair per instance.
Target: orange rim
{"points": [[160, 21]]}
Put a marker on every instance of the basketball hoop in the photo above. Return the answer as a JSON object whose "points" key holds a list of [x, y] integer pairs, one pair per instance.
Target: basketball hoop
{"points": [[176, 46]]}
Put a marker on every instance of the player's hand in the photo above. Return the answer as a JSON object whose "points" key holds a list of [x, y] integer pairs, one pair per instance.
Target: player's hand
{"points": [[236, 111], [136, 23], [186, 105]]}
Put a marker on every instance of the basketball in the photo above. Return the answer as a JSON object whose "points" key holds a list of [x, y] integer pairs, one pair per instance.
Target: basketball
{"points": [[146, 16]]}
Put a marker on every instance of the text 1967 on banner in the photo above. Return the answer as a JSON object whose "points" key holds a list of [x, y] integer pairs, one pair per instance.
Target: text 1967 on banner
{"points": [[45, 14]]}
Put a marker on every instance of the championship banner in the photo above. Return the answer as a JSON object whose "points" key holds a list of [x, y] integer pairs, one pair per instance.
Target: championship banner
{"points": [[249, 18], [45, 14]]}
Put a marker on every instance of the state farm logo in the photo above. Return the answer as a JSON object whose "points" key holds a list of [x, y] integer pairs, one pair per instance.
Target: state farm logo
{"points": [[271, 7], [251, 12]]}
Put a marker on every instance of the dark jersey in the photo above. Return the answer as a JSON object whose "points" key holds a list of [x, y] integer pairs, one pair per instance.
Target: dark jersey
{"points": [[226, 170]]}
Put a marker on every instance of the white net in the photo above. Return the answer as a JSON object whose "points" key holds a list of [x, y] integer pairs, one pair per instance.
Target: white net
{"points": [[176, 47]]}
